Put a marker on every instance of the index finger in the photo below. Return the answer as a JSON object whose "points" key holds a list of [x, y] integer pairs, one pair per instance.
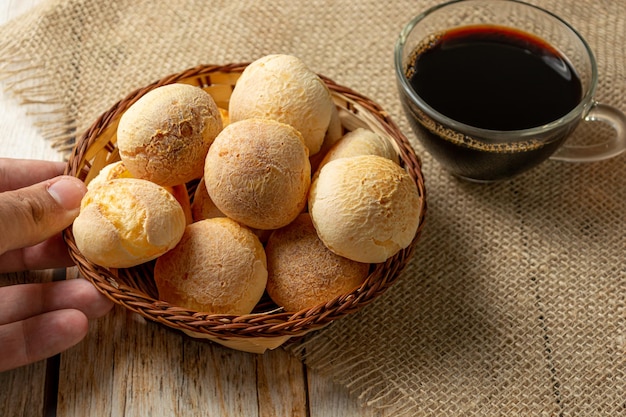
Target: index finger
{"points": [[19, 173], [40, 337]]}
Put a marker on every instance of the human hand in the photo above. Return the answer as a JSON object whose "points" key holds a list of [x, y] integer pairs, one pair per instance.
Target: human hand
{"points": [[36, 204], [40, 320]]}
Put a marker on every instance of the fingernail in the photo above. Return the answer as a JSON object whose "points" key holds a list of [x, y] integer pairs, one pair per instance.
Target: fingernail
{"points": [[68, 192]]}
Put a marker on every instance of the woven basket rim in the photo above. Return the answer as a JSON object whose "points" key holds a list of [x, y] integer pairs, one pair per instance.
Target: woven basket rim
{"points": [[263, 324]]}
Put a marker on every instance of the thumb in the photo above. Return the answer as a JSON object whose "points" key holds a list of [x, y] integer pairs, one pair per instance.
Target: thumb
{"points": [[33, 214]]}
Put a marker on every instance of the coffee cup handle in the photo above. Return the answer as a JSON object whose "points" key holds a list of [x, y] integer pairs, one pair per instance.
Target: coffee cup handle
{"points": [[599, 151]]}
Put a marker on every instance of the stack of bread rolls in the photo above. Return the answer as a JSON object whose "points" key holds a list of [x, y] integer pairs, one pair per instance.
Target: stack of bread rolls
{"points": [[285, 203]]}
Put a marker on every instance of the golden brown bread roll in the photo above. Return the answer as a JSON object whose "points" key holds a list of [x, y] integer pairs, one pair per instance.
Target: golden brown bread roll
{"points": [[365, 208], [333, 134], [258, 173], [117, 170], [181, 194], [109, 172], [360, 142], [165, 135], [283, 88], [203, 207], [303, 272], [126, 222], [219, 267], [225, 117]]}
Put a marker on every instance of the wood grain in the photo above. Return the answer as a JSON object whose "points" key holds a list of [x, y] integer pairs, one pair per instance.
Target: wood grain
{"points": [[22, 389], [281, 385]]}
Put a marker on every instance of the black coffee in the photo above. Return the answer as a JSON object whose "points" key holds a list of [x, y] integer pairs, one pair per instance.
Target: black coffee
{"points": [[493, 78]]}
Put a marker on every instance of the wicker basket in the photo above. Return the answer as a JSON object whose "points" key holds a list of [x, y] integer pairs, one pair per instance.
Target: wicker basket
{"points": [[268, 326]]}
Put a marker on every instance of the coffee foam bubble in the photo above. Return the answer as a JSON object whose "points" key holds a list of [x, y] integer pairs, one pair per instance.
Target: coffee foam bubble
{"points": [[466, 141]]}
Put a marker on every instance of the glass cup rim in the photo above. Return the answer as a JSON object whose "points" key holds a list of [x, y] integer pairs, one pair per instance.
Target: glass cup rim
{"points": [[583, 106]]}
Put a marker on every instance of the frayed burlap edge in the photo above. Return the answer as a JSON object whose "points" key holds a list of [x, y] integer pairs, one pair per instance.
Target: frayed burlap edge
{"points": [[47, 110], [369, 386], [29, 83]]}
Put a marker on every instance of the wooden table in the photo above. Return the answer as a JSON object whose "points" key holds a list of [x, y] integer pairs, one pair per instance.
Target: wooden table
{"points": [[129, 367]]}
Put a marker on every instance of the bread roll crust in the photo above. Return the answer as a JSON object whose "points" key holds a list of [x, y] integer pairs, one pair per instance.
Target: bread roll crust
{"points": [[219, 267], [125, 222], [258, 173], [112, 171], [302, 272], [360, 142], [165, 135], [116, 170], [282, 88], [365, 208], [203, 207]]}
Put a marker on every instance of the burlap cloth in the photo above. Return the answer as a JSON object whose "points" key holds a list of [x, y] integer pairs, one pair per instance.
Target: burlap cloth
{"points": [[515, 301]]}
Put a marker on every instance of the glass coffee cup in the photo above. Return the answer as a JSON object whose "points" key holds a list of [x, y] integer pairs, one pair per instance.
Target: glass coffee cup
{"points": [[492, 88]]}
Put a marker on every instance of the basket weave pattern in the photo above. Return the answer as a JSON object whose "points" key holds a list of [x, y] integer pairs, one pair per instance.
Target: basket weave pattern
{"points": [[134, 287]]}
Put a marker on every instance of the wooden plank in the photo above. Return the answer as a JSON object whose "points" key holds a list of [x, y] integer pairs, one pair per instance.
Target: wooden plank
{"points": [[22, 390], [281, 385], [217, 381]]}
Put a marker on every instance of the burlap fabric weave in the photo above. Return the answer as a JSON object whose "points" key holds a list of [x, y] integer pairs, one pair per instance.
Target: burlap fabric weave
{"points": [[515, 301]]}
